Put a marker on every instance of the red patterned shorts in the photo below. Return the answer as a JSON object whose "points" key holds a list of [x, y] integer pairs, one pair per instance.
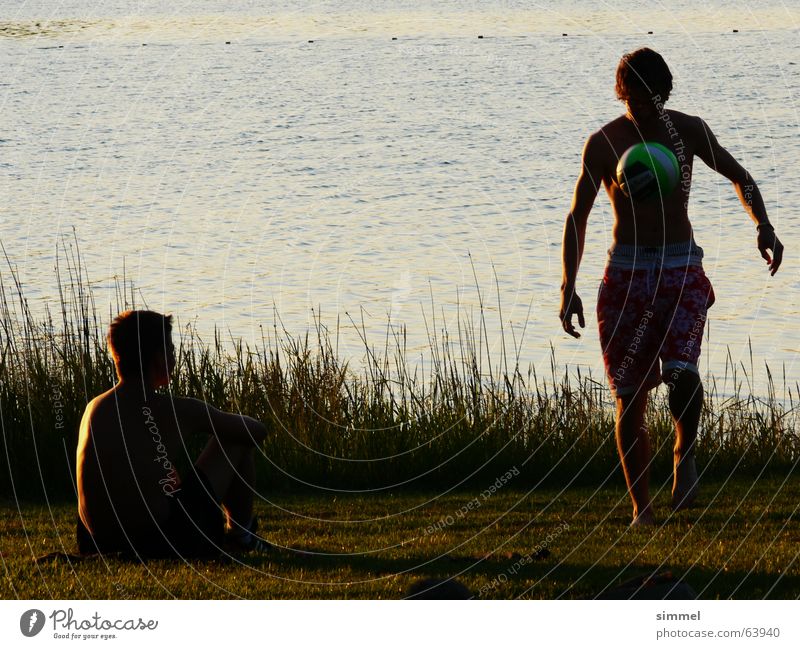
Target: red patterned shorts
{"points": [[647, 315]]}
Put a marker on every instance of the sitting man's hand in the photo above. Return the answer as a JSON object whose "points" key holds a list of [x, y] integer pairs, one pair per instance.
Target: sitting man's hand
{"points": [[768, 241], [571, 305]]}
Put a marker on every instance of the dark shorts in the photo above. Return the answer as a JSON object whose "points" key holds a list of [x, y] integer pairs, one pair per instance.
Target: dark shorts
{"points": [[651, 324], [195, 527]]}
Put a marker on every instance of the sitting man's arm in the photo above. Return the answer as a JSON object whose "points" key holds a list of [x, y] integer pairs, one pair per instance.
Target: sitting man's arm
{"points": [[720, 160], [575, 235], [194, 416]]}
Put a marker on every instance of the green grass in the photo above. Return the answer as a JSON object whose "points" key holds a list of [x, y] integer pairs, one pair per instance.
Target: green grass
{"points": [[742, 542]]}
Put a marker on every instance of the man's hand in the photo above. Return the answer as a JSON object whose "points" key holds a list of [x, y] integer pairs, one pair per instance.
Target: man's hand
{"points": [[571, 305], [768, 241]]}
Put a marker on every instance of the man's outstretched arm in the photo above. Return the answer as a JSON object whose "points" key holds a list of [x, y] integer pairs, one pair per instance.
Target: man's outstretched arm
{"points": [[195, 416], [575, 235], [720, 160]]}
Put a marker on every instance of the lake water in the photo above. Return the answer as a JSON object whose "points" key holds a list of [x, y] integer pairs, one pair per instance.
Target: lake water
{"points": [[234, 170]]}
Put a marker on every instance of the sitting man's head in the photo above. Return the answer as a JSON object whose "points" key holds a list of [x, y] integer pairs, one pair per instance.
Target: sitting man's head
{"points": [[141, 344], [643, 82]]}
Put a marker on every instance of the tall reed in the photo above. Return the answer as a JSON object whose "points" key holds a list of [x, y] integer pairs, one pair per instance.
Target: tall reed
{"points": [[467, 414]]}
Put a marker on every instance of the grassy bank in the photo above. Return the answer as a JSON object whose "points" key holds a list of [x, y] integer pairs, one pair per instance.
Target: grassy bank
{"points": [[742, 542], [378, 423]]}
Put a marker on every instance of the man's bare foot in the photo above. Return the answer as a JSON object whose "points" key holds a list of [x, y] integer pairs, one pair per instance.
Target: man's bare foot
{"points": [[645, 519], [246, 540], [685, 485]]}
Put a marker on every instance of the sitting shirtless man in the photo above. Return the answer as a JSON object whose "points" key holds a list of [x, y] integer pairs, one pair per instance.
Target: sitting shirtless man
{"points": [[130, 495], [654, 295]]}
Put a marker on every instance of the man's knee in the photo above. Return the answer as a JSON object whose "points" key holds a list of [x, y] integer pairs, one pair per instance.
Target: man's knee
{"points": [[685, 385], [257, 435], [685, 392]]}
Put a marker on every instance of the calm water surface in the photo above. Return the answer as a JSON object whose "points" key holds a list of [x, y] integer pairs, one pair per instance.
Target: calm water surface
{"points": [[361, 176]]}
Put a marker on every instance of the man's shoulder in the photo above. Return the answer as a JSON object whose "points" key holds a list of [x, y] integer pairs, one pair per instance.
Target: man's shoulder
{"points": [[600, 147], [184, 410], [100, 414], [100, 402], [618, 122], [685, 120], [606, 138], [608, 130], [678, 115]]}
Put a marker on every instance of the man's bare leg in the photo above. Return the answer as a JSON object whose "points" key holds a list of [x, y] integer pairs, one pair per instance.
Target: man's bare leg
{"points": [[685, 404], [230, 469], [238, 500], [633, 444]]}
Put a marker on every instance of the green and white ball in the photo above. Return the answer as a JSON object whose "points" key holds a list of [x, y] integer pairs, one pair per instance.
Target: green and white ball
{"points": [[647, 170]]}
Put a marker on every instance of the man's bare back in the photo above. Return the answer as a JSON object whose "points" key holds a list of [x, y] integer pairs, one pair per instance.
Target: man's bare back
{"points": [[127, 452]]}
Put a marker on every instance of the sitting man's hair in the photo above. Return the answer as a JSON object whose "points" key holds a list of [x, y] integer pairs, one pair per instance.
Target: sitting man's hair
{"points": [[135, 338], [643, 72]]}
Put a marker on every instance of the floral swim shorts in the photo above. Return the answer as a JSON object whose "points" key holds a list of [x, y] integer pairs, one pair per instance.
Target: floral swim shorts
{"points": [[650, 308]]}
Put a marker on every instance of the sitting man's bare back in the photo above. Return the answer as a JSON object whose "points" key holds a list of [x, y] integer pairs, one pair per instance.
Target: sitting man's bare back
{"points": [[131, 497], [654, 296]]}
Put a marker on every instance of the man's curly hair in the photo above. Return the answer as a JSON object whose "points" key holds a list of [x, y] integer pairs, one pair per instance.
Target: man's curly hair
{"points": [[643, 71], [135, 337]]}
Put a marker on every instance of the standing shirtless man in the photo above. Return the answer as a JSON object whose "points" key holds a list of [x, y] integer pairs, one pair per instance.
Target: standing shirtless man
{"points": [[654, 295]]}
